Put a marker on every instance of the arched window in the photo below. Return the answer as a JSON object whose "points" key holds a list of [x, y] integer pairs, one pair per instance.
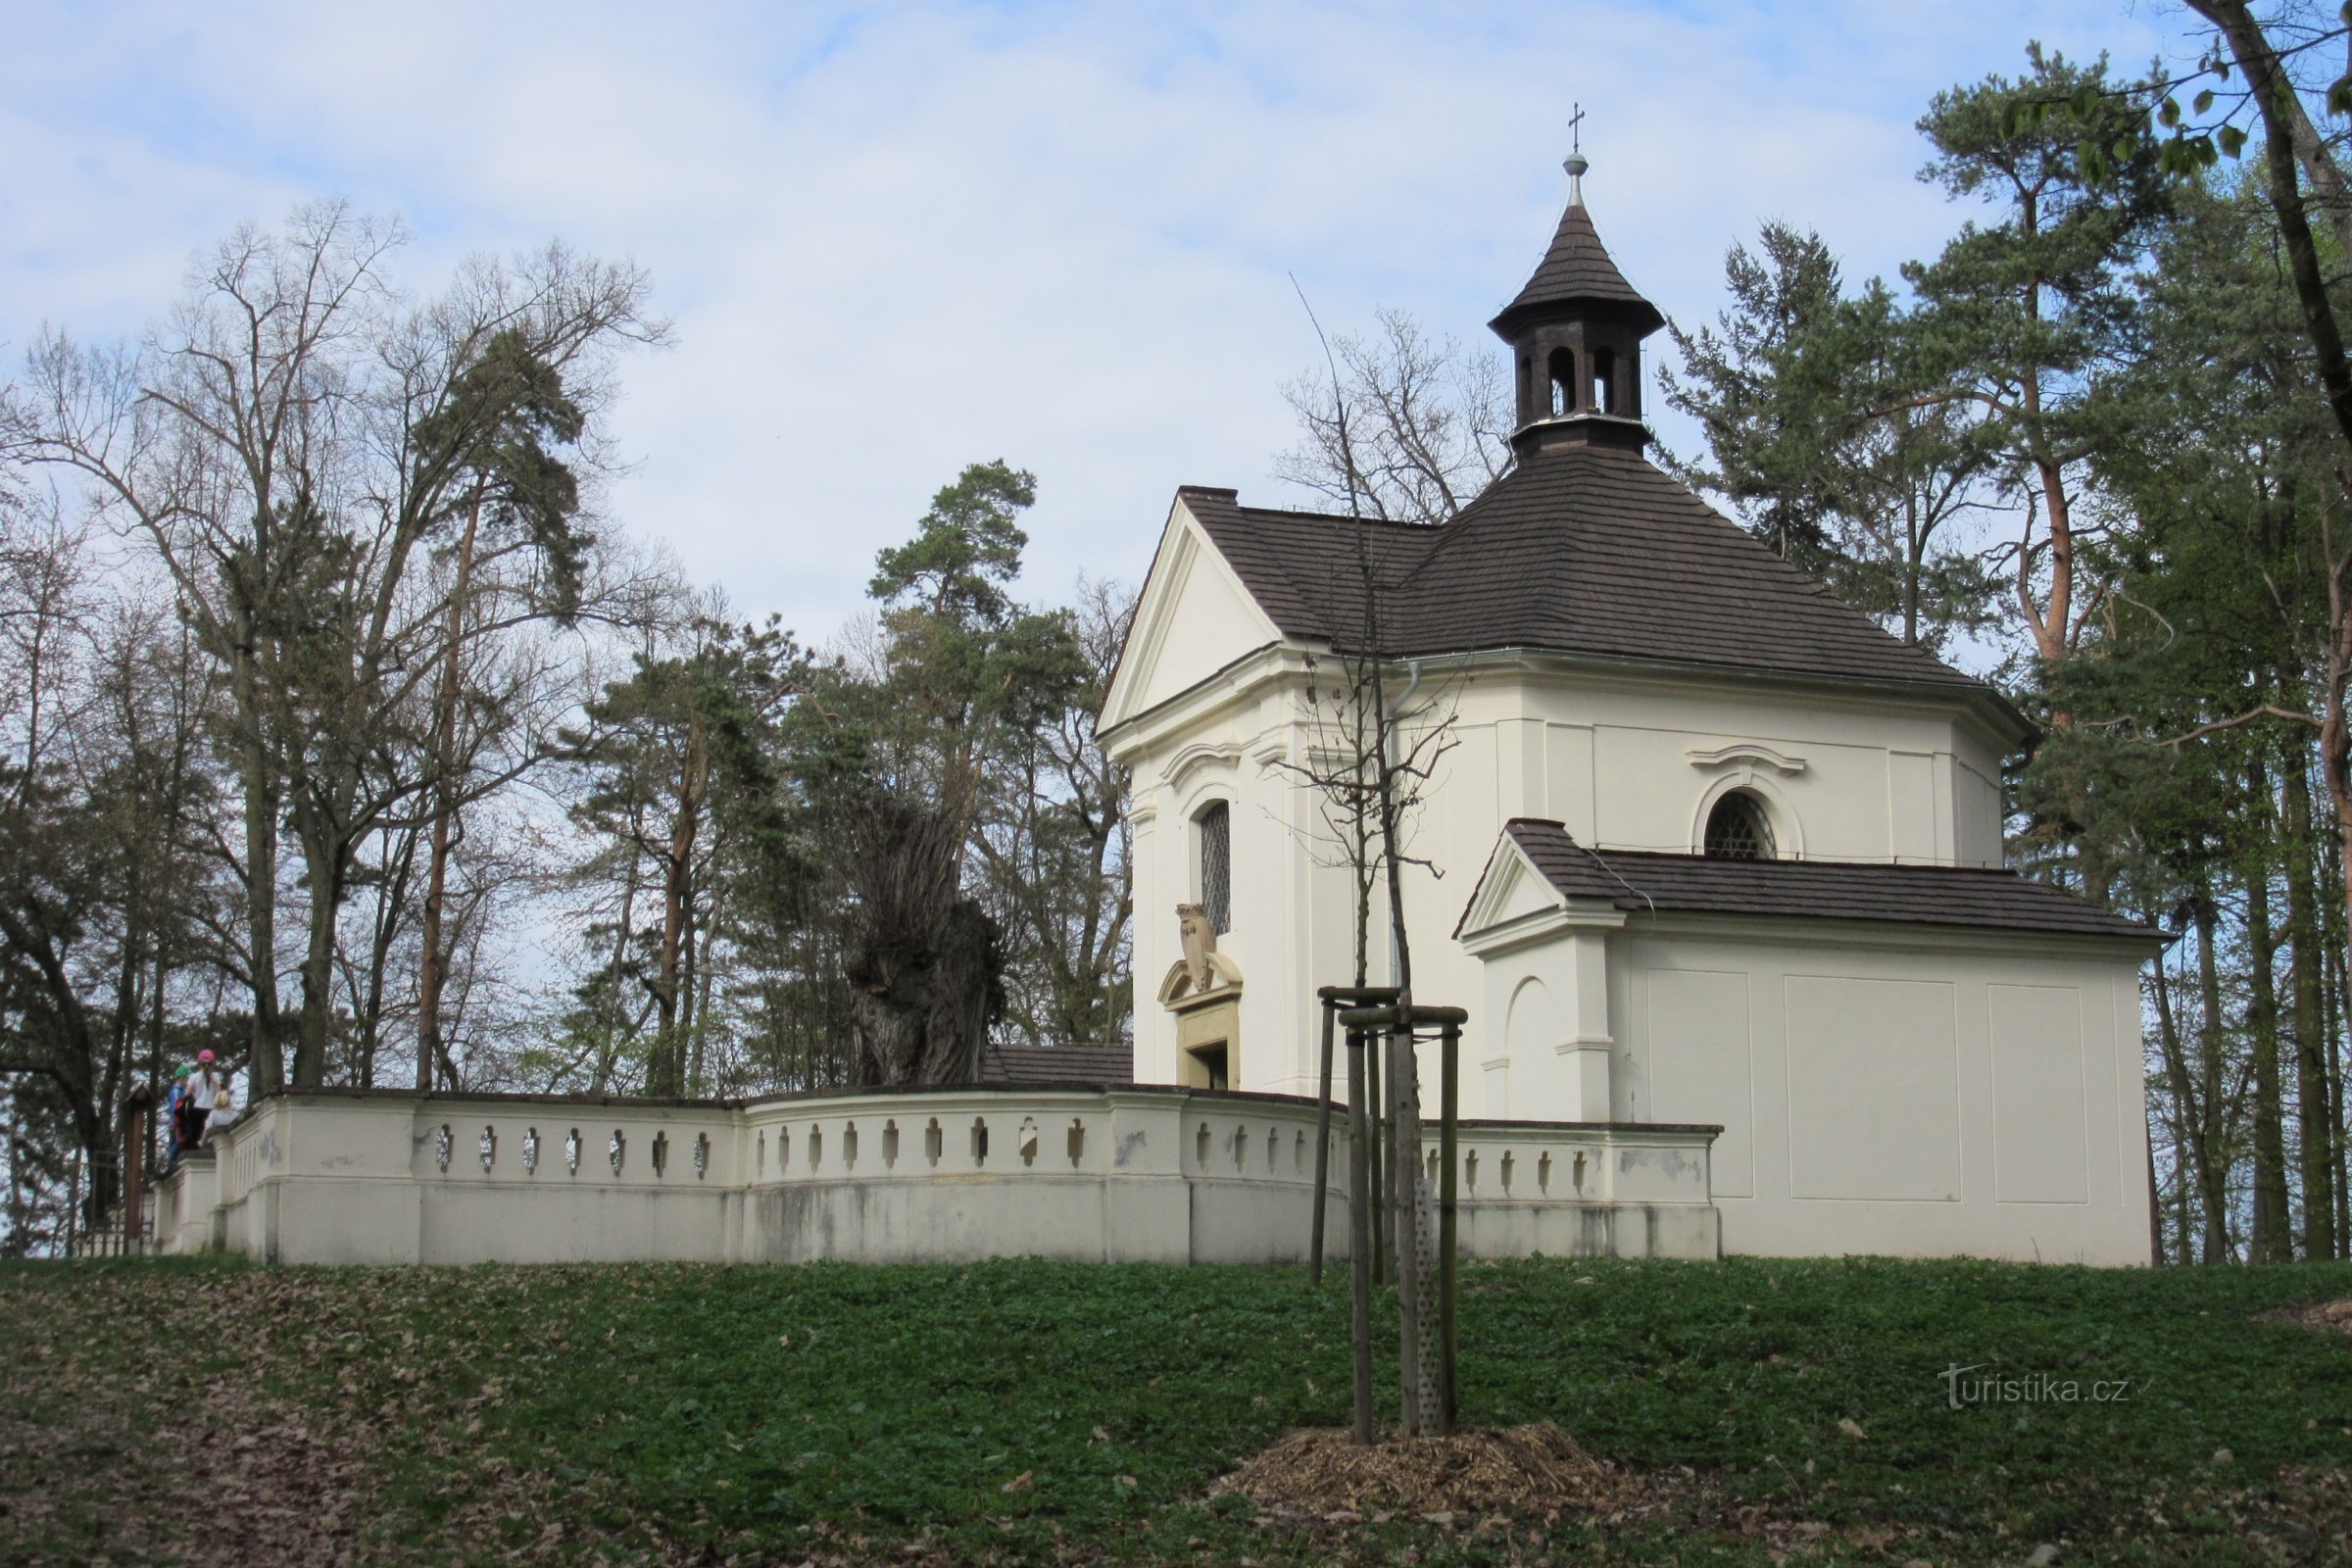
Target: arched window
{"points": [[1216, 865], [1604, 381], [1738, 830], [1561, 367]]}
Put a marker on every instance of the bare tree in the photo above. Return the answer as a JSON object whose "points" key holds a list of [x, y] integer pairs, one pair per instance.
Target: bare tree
{"points": [[286, 449], [107, 894], [1403, 427], [1376, 738]]}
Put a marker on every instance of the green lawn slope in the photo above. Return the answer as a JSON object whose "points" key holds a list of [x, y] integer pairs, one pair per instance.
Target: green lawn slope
{"points": [[1027, 1411]]}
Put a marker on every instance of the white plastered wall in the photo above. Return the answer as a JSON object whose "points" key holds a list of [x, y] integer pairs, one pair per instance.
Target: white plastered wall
{"points": [[1903, 1091], [1207, 705]]}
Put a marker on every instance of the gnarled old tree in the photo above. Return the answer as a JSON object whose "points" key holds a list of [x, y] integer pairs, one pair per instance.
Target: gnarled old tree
{"points": [[891, 754]]}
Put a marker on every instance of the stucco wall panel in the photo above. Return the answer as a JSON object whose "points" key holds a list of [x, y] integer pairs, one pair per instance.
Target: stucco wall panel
{"points": [[2040, 1131], [1874, 1089], [1701, 1063]]}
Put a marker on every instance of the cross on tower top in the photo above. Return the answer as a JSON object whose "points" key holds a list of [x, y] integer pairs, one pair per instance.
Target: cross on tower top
{"points": [[1576, 164]]}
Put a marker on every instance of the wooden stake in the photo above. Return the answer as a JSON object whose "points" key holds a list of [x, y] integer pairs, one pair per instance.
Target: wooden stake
{"points": [[1407, 1185], [1375, 1151], [1449, 1113], [1359, 1230], [1323, 1146]]}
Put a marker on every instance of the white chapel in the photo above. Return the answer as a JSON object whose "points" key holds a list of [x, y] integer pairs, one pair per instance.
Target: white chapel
{"points": [[1708, 847], [1713, 863]]}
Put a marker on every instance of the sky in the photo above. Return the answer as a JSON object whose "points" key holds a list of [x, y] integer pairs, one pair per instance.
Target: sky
{"points": [[897, 238]]}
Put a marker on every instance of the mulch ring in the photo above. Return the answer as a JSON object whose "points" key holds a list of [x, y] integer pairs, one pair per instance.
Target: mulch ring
{"points": [[1535, 1470], [1532, 1478], [2334, 1315]]}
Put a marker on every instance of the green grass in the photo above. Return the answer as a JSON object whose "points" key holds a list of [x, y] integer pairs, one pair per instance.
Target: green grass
{"points": [[845, 1409]]}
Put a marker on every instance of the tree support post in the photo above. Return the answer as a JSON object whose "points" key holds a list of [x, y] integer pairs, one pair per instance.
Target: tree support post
{"points": [[1322, 1141], [1359, 1231], [1334, 998], [1423, 1238], [1405, 1177], [1449, 1114], [1375, 1188]]}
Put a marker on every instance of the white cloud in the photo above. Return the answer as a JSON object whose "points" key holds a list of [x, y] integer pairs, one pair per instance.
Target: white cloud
{"points": [[898, 238]]}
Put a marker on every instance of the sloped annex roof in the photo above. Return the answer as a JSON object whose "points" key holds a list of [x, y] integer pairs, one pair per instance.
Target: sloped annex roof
{"points": [[1001, 1063], [1645, 881], [1581, 550]]}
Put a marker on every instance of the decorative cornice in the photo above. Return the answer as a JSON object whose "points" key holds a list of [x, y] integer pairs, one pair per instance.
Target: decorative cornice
{"points": [[1197, 755], [1749, 754], [1543, 923], [1893, 935]]}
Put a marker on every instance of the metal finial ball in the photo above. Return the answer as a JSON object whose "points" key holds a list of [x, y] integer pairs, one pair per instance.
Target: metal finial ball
{"points": [[1576, 165]]}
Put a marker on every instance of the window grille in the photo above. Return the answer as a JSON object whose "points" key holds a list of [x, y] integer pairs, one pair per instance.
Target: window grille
{"points": [[1738, 830], [1216, 866]]}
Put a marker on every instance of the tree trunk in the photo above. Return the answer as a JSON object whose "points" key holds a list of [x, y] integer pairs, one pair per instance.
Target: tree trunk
{"points": [[609, 1044], [326, 855], [1915, 550], [2272, 1239], [2336, 996], [2188, 1156], [2212, 1176], [433, 962], [2313, 1123], [677, 890], [268, 1066]]}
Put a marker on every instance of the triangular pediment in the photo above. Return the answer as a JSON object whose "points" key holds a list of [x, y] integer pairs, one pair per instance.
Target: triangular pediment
{"points": [[1510, 890], [1192, 619], [1516, 902]]}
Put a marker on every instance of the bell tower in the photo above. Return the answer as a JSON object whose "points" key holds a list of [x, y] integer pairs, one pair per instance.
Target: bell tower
{"points": [[1576, 333]]}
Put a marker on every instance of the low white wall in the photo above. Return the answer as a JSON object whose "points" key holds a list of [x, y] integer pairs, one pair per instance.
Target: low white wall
{"points": [[184, 1201], [1591, 1190], [1144, 1174]]}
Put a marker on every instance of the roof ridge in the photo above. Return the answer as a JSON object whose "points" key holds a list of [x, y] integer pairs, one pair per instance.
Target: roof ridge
{"points": [[1335, 516]]}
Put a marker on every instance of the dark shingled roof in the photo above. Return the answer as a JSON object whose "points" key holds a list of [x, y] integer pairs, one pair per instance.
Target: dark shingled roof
{"points": [[1582, 550], [1056, 1065], [1827, 890], [1577, 270]]}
